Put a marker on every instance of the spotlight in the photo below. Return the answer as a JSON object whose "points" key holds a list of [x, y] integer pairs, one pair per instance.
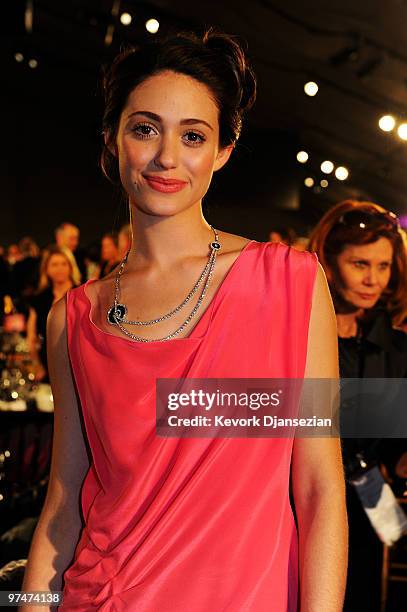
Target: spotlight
{"points": [[33, 63], [311, 88], [19, 57], [152, 26], [327, 167], [302, 157], [341, 173], [387, 123], [125, 19], [324, 183], [309, 181], [402, 131]]}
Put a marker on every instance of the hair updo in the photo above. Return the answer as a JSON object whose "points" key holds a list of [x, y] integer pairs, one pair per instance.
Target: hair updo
{"points": [[214, 59]]}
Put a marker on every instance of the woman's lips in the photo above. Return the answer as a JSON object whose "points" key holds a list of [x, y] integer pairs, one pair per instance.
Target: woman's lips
{"points": [[164, 185], [367, 296]]}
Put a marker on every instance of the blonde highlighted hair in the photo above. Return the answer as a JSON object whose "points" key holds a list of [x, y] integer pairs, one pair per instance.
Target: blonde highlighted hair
{"points": [[47, 253]]}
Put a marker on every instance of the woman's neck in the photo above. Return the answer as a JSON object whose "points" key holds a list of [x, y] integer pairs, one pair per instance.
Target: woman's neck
{"points": [[348, 323], [161, 243]]}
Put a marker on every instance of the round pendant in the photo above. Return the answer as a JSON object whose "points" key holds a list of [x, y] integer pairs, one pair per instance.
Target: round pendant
{"points": [[215, 245], [112, 315]]}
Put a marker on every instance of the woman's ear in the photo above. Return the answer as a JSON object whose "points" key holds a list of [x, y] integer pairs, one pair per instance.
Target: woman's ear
{"points": [[223, 156]]}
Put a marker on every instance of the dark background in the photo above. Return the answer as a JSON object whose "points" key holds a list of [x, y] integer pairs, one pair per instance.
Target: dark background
{"points": [[50, 115]]}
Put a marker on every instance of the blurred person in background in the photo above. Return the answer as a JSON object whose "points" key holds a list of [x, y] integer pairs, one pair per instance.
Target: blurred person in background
{"points": [[25, 273], [109, 254], [362, 251], [4, 285], [92, 260], [56, 278], [301, 243], [124, 240], [13, 254], [403, 325], [286, 235], [67, 237]]}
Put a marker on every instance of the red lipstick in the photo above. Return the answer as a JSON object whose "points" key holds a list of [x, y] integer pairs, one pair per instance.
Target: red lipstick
{"points": [[164, 185]]}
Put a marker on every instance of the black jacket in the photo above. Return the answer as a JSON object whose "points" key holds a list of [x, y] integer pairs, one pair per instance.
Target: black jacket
{"points": [[378, 351]]}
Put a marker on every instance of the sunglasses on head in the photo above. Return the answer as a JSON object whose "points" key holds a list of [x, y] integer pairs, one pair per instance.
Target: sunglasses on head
{"points": [[367, 220]]}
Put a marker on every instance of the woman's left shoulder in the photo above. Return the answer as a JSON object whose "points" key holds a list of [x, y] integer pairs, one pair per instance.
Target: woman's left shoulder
{"points": [[299, 260]]}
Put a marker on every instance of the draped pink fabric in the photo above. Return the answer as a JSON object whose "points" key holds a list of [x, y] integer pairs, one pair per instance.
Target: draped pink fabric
{"points": [[198, 524]]}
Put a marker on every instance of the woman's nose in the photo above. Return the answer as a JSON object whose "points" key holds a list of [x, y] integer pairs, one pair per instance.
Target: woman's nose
{"points": [[168, 151], [371, 277]]}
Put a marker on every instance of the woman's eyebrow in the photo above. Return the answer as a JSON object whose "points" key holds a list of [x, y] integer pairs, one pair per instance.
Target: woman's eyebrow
{"points": [[367, 261], [155, 117]]}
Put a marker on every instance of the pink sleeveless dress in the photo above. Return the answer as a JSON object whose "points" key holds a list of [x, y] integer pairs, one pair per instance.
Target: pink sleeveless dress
{"points": [[198, 524]]}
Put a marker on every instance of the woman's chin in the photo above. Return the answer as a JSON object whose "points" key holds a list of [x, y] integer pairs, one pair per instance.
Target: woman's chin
{"points": [[161, 207], [364, 302]]}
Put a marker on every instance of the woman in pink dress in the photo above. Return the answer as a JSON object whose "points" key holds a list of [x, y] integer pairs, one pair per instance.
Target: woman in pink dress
{"points": [[140, 522]]}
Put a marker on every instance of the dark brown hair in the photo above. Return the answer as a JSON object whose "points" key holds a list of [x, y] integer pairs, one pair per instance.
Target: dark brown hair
{"points": [[214, 59], [330, 237]]}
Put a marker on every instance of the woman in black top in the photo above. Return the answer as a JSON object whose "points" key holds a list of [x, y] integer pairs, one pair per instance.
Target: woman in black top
{"points": [[55, 280], [363, 252]]}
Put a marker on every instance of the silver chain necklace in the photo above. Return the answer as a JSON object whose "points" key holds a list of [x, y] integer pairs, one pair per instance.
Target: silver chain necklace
{"points": [[116, 314]]}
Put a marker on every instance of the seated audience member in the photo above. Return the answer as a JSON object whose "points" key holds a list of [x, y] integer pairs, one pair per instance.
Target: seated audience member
{"points": [[67, 239], [109, 254], [13, 254], [25, 273], [124, 240], [286, 235], [56, 278]]}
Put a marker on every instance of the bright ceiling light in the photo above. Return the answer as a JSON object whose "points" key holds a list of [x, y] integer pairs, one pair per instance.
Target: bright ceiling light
{"points": [[19, 57], [324, 183], [309, 181], [33, 63], [125, 19], [152, 26], [302, 157], [327, 167], [402, 131], [387, 123], [311, 88], [341, 173]]}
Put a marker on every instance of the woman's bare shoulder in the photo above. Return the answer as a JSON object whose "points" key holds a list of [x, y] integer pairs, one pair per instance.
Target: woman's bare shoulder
{"points": [[232, 242], [56, 319]]}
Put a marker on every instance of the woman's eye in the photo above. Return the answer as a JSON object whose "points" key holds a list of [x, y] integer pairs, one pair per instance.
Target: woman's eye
{"points": [[143, 130], [194, 138], [359, 264]]}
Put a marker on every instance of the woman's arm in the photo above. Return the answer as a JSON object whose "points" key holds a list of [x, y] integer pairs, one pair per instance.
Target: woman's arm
{"points": [[318, 480], [60, 523]]}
